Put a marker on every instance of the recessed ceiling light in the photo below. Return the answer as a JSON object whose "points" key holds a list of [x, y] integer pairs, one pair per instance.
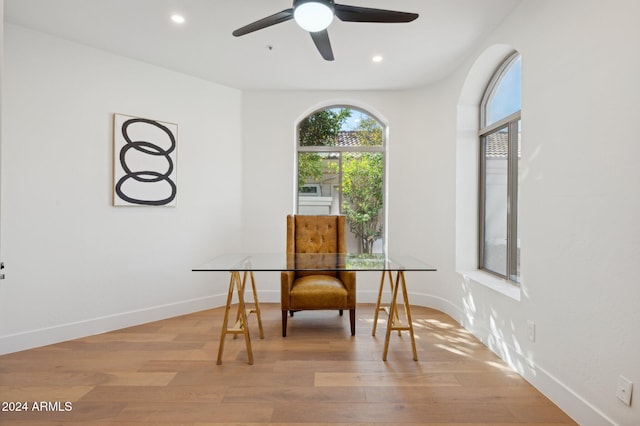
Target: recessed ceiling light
{"points": [[377, 58], [178, 19]]}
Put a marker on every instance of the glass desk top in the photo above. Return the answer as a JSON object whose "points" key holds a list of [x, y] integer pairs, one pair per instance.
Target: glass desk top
{"points": [[313, 262]]}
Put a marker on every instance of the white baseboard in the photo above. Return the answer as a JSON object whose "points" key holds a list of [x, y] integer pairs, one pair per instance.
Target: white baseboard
{"points": [[60, 333]]}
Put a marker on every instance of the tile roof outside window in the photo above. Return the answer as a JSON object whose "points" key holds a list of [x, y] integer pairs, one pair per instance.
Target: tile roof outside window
{"points": [[498, 144], [348, 138]]}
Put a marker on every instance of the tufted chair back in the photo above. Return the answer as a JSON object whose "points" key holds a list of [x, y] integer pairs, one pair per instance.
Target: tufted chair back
{"points": [[315, 234]]}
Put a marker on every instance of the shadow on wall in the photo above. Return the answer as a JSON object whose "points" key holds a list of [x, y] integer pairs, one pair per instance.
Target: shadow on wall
{"points": [[496, 333]]}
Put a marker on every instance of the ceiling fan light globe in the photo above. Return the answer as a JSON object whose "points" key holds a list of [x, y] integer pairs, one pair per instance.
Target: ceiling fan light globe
{"points": [[313, 16]]}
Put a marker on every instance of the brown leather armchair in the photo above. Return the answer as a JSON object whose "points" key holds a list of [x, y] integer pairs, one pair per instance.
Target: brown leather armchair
{"points": [[308, 290]]}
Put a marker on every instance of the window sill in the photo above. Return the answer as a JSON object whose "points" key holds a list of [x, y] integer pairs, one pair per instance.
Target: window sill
{"points": [[497, 284]]}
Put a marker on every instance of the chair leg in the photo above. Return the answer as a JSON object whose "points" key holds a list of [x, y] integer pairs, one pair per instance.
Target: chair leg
{"points": [[340, 312], [352, 320], [284, 323]]}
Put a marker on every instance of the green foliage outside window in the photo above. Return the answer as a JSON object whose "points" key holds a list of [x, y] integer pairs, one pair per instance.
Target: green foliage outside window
{"points": [[362, 192], [323, 127], [369, 132], [309, 168]]}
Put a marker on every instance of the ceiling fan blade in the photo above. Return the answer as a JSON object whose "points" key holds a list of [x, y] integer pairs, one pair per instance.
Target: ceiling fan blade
{"points": [[321, 40], [366, 14], [274, 19]]}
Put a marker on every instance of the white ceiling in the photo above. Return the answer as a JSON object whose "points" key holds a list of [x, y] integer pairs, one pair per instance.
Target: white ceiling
{"points": [[415, 53]]}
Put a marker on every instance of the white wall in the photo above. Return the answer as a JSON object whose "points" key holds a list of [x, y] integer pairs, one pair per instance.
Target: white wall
{"points": [[76, 265], [69, 253], [579, 207], [579, 197]]}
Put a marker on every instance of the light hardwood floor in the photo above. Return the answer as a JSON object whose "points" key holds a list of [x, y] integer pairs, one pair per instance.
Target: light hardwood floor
{"points": [[165, 373]]}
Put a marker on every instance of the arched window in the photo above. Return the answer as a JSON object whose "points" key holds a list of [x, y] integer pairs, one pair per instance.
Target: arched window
{"points": [[500, 124], [340, 170]]}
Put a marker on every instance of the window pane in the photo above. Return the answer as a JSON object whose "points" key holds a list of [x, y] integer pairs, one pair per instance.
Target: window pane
{"points": [[318, 183], [504, 100], [495, 201], [363, 197], [323, 127], [341, 127]]}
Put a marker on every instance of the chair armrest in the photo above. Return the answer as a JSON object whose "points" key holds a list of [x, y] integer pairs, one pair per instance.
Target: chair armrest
{"points": [[286, 281], [348, 278]]}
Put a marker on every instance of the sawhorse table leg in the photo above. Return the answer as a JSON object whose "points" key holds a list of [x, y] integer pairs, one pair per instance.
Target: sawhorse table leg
{"points": [[379, 306], [241, 325], [393, 321]]}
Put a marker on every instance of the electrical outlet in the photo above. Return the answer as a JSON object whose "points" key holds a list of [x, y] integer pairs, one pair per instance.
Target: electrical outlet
{"points": [[625, 389], [531, 330]]}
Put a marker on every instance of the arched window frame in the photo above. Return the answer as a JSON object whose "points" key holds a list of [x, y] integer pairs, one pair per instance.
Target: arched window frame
{"points": [[382, 149], [511, 125]]}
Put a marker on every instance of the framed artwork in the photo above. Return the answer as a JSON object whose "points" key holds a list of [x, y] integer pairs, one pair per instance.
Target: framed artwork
{"points": [[144, 159]]}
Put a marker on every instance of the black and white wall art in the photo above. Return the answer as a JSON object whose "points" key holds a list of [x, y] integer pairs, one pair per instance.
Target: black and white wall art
{"points": [[144, 172]]}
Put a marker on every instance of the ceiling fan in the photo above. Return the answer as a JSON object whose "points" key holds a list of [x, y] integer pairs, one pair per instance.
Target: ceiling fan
{"points": [[316, 15]]}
